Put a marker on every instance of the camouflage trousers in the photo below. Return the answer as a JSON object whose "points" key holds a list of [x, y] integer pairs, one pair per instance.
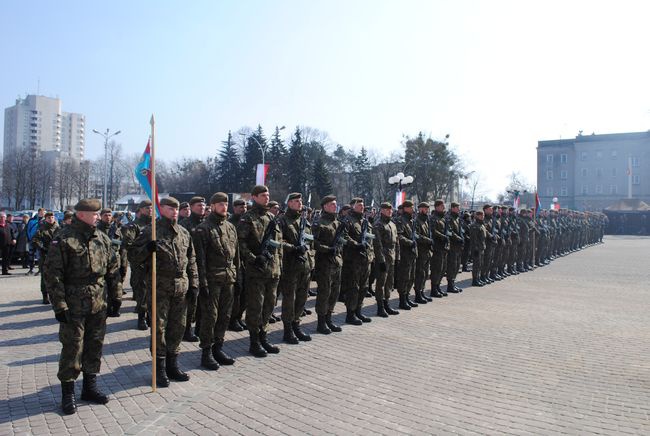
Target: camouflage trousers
{"points": [[260, 300], [329, 285], [41, 262], [385, 280], [438, 267], [215, 313], [422, 268], [486, 263], [354, 280], [477, 265], [405, 275], [138, 287], [453, 263], [522, 252], [170, 321], [82, 338], [239, 298], [294, 286]]}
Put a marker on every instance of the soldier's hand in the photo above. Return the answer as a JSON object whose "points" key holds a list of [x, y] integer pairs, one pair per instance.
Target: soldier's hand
{"points": [[192, 293], [63, 316], [113, 310], [152, 246], [333, 251], [300, 250], [123, 272], [204, 292], [382, 266], [260, 262]]}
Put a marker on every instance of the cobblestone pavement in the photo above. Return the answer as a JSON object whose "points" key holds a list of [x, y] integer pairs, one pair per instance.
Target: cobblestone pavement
{"points": [[562, 349]]}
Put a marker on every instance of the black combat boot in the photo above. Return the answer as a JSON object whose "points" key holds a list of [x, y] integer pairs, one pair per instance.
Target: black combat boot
{"points": [[207, 360], [440, 291], [381, 310], [425, 296], [255, 348], [328, 320], [419, 297], [162, 381], [450, 287], [322, 325], [234, 326], [435, 293], [477, 283], [219, 355], [68, 400], [46, 300], [402, 303], [351, 318], [409, 301], [189, 336], [142, 321], [289, 336], [173, 371], [90, 392], [390, 310], [299, 332], [270, 348], [361, 316]]}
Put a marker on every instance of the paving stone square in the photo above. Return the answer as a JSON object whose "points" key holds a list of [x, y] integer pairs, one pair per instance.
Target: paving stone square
{"points": [[559, 350]]}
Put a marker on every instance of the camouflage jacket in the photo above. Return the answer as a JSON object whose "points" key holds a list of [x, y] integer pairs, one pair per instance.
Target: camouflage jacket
{"points": [[437, 224], [250, 231], [324, 232], [130, 233], [217, 251], [79, 265], [386, 242], [478, 236], [407, 247], [454, 227], [352, 251], [423, 228], [290, 226], [114, 233], [44, 236]]}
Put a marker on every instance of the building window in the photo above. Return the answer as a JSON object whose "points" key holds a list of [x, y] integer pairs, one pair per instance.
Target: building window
{"points": [[635, 161], [599, 172], [613, 172], [599, 154], [583, 155], [599, 189], [549, 191], [613, 189], [549, 159], [583, 172], [636, 179], [549, 174], [564, 158], [584, 190], [563, 175], [563, 191], [614, 154]]}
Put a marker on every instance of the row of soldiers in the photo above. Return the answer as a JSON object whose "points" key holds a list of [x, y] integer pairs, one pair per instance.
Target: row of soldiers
{"points": [[211, 268]]}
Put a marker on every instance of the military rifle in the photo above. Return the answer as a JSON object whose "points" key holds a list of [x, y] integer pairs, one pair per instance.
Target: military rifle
{"points": [[112, 234], [301, 233], [339, 236], [494, 227], [447, 232], [268, 244], [414, 236]]}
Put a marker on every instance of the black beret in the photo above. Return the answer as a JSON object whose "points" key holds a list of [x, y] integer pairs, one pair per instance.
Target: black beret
{"points": [[219, 197], [197, 199], [294, 196], [67, 214], [106, 210], [407, 203], [183, 205], [88, 205], [385, 205], [356, 200], [424, 204], [345, 207], [48, 214], [144, 203], [327, 199], [169, 201], [438, 203], [454, 204], [478, 212], [273, 203], [485, 206], [259, 189], [239, 202]]}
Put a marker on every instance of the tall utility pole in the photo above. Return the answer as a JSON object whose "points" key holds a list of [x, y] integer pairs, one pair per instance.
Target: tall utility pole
{"points": [[106, 137]]}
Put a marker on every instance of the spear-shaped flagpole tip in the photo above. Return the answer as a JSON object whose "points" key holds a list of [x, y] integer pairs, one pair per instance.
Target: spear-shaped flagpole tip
{"points": [[152, 121]]}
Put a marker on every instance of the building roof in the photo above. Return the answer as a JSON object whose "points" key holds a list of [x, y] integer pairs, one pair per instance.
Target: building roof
{"points": [[594, 138]]}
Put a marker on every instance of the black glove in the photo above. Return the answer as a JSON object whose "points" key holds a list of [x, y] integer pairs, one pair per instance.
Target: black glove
{"points": [[333, 251], [300, 250], [63, 316], [204, 292], [361, 247], [192, 293], [122, 272], [382, 266], [260, 262], [152, 246], [113, 310]]}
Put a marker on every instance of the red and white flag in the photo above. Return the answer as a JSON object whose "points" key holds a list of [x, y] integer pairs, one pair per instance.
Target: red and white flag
{"points": [[262, 171], [400, 196]]}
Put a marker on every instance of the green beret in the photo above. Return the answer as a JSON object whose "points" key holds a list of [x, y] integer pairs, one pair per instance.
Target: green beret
{"points": [[169, 201], [273, 203], [345, 207], [356, 200], [327, 199], [424, 204], [438, 203], [48, 214], [385, 205], [106, 210], [504, 207], [407, 203], [485, 206], [67, 214], [454, 204], [219, 197], [144, 203], [522, 211], [88, 205], [239, 202], [197, 199], [183, 205], [294, 196], [259, 189], [478, 212]]}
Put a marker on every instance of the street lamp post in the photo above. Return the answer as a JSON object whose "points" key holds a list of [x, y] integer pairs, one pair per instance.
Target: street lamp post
{"points": [[106, 137], [401, 181], [262, 148]]}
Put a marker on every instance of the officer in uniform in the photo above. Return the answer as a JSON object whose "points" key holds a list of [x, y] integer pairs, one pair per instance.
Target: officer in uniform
{"points": [[478, 236], [329, 237], [425, 246], [386, 254], [440, 248], [239, 296], [130, 233], [405, 270], [81, 272], [197, 214], [176, 276], [456, 241], [111, 229], [217, 260], [259, 239], [41, 241], [490, 246], [357, 255], [297, 263], [466, 223]]}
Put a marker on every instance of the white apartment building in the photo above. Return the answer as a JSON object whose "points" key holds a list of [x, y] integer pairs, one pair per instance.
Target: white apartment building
{"points": [[37, 123]]}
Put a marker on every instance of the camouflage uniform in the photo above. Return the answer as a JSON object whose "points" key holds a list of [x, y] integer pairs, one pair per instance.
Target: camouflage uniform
{"points": [[41, 241], [80, 267], [357, 257], [405, 270], [193, 312], [440, 249], [130, 233], [239, 291], [114, 233], [387, 252], [425, 247], [478, 236], [456, 241], [329, 262]]}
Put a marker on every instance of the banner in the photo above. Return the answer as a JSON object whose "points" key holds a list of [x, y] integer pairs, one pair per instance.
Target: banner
{"points": [[400, 196], [143, 175], [262, 171]]}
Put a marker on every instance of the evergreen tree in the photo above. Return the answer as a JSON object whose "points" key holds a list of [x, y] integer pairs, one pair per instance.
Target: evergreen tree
{"points": [[322, 184], [362, 172], [277, 157], [252, 156], [297, 171], [229, 168]]}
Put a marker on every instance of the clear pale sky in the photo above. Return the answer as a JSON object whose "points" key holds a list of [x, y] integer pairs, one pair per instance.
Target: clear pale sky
{"points": [[496, 75]]}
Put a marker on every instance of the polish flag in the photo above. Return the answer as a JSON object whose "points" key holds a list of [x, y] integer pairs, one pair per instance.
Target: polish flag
{"points": [[400, 196], [262, 171]]}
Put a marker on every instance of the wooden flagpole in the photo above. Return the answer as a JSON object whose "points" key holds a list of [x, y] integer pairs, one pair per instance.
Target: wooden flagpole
{"points": [[154, 197]]}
